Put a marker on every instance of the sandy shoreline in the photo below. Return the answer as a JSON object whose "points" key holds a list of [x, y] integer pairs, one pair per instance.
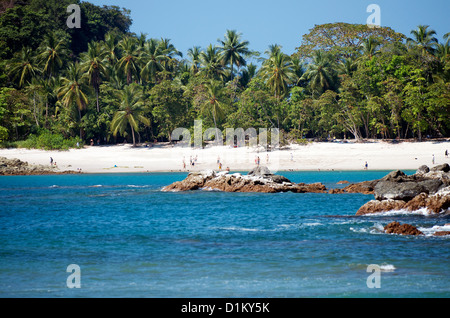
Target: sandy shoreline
{"points": [[314, 156]]}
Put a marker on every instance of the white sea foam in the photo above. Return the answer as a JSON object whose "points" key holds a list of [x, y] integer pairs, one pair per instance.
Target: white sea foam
{"points": [[432, 230], [387, 267], [422, 211], [377, 228]]}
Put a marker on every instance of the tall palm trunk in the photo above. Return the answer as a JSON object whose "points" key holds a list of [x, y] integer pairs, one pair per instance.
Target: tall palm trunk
{"points": [[132, 133]]}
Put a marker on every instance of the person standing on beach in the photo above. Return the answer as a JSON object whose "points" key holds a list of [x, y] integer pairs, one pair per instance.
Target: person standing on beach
{"points": [[51, 161], [432, 159], [366, 166], [446, 153]]}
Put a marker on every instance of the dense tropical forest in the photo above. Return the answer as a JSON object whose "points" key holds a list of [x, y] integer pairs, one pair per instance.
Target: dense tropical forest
{"points": [[62, 86]]}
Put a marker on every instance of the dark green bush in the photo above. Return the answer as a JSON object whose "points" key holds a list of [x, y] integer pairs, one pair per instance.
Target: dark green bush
{"points": [[49, 141]]}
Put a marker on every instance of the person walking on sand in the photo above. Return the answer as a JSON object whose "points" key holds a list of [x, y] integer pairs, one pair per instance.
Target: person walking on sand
{"points": [[446, 153], [432, 159], [51, 161], [366, 166]]}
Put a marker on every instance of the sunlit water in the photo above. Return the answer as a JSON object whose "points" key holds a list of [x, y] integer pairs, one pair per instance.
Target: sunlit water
{"points": [[130, 239]]}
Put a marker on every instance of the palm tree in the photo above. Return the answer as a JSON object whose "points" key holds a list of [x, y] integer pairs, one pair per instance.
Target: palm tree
{"points": [[423, 38], [233, 50], [320, 73], [298, 69], [153, 58], [370, 47], [53, 51], [442, 51], [170, 63], [131, 58], [347, 66], [93, 63], [278, 72], [194, 55], [247, 74], [213, 103], [72, 89], [110, 47], [23, 66], [212, 67], [131, 111]]}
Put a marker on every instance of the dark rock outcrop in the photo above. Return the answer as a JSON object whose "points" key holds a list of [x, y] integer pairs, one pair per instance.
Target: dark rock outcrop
{"points": [[401, 229]]}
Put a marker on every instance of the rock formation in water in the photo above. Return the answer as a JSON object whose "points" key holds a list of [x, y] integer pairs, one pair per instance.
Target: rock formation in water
{"points": [[259, 179], [426, 189], [13, 167], [402, 229]]}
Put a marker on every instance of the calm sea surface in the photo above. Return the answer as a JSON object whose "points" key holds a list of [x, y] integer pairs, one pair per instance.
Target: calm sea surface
{"points": [[129, 239]]}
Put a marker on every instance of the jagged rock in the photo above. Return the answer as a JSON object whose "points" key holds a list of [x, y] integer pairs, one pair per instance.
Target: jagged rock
{"points": [[434, 203], [423, 169], [259, 180], [376, 206], [444, 167], [402, 229]]}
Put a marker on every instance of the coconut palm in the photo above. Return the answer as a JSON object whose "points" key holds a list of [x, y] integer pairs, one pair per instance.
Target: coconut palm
{"points": [[278, 72], [320, 72], [73, 89], [347, 66], [247, 74], [131, 111], [442, 51], [53, 51], [93, 64], [233, 50], [153, 58], [110, 47], [170, 63], [423, 38], [129, 63], [211, 64], [213, 103], [370, 47], [194, 55], [23, 67]]}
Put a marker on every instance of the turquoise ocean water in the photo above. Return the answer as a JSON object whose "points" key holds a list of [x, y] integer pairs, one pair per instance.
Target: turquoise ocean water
{"points": [[129, 239]]}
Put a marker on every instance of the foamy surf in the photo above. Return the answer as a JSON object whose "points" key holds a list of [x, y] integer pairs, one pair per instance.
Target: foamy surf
{"points": [[437, 228]]}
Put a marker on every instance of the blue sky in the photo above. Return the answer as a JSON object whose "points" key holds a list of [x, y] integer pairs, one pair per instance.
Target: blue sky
{"points": [[262, 22]]}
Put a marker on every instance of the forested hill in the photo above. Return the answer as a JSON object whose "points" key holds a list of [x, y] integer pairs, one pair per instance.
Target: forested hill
{"points": [[61, 85]]}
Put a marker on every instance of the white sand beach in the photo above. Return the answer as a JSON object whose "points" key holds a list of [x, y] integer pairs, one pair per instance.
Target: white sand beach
{"points": [[324, 156]]}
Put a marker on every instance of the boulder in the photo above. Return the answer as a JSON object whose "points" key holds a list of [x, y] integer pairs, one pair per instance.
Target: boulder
{"points": [[444, 167], [376, 206], [402, 229], [423, 169], [405, 190]]}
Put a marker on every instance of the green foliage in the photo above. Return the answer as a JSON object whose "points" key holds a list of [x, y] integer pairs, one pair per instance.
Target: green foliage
{"points": [[59, 86], [50, 141]]}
